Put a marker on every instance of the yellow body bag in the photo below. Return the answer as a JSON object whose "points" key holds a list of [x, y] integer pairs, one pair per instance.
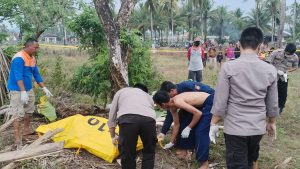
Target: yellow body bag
{"points": [[88, 132]]}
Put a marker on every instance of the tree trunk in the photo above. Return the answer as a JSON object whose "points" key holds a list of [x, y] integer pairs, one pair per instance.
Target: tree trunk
{"points": [[151, 22], [294, 21], [221, 31], [182, 35], [273, 28], [190, 23], [167, 33], [201, 24], [144, 33], [172, 23], [205, 25], [118, 56], [282, 22], [38, 34], [65, 37], [257, 18], [155, 34]]}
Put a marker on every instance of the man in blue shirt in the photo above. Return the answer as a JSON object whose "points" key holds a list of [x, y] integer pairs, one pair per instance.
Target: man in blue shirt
{"points": [[184, 117], [23, 68]]}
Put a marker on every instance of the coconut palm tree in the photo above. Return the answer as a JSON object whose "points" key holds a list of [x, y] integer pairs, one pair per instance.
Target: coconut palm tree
{"points": [[160, 22], [282, 22], [294, 20], [169, 8], [272, 7], [262, 20], [218, 17], [138, 19], [151, 6], [207, 5], [238, 19]]}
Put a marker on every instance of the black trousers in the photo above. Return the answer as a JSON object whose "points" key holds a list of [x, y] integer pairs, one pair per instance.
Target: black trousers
{"points": [[282, 93], [241, 151], [128, 136]]}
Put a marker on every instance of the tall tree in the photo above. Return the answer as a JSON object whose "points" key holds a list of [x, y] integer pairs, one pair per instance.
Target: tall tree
{"points": [[272, 7], [263, 19], [294, 21], [151, 5], [139, 19], [218, 17], [118, 55], [257, 13], [170, 7], [282, 22], [207, 5], [34, 17]]}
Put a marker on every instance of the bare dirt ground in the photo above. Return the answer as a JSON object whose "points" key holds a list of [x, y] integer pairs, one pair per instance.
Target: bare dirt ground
{"points": [[173, 66]]}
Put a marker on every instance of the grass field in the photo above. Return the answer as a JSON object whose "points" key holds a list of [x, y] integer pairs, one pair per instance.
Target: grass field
{"points": [[173, 67]]}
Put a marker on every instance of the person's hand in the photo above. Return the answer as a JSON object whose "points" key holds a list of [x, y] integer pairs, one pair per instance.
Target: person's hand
{"points": [[168, 146], [271, 130], [186, 132], [160, 137], [280, 73], [285, 76], [47, 92], [24, 97], [115, 140], [214, 132]]}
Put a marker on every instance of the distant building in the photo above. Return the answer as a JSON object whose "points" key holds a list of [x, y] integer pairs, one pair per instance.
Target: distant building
{"points": [[50, 39], [72, 40]]}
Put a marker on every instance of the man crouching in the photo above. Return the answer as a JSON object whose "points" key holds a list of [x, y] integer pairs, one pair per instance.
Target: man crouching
{"points": [[200, 124]]}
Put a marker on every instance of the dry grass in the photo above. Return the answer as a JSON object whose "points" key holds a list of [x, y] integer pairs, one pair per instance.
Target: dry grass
{"points": [[173, 66]]}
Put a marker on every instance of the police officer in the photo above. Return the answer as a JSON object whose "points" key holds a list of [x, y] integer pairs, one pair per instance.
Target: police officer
{"points": [[285, 61]]}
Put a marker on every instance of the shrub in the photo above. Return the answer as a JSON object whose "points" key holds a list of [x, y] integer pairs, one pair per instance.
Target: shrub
{"points": [[57, 75], [10, 51], [93, 78]]}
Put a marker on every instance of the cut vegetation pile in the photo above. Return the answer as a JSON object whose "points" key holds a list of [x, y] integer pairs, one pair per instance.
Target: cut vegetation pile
{"points": [[4, 70]]}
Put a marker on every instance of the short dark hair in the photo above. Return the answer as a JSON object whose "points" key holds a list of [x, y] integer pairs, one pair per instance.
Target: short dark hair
{"points": [[167, 86], [29, 41], [161, 97], [291, 48], [141, 86], [251, 37]]}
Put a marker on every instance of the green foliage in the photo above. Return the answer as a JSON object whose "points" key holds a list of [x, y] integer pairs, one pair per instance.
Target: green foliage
{"points": [[10, 51], [140, 68], [3, 37], [34, 17], [93, 78], [89, 30], [57, 76]]}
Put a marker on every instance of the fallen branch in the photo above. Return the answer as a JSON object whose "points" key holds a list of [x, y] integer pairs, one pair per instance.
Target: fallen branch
{"points": [[11, 165], [44, 138], [35, 149], [4, 109], [7, 123], [32, 152], [284, 163]]}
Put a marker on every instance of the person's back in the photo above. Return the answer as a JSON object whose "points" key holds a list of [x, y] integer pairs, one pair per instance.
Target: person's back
{"points": [[133, 110], [246, 96], [249, 81], [195, 99], [135, 101]]}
